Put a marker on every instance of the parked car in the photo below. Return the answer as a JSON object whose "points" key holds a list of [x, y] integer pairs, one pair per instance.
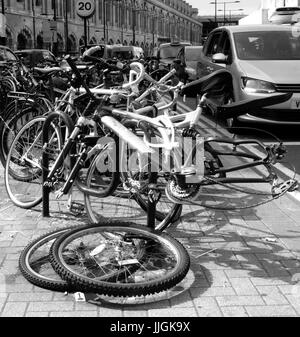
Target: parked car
{"points": [[285, 15], [263, 60], [6, 54], [189, 56], [117, 51], [166, 53], [36, 57], [127, 52]]}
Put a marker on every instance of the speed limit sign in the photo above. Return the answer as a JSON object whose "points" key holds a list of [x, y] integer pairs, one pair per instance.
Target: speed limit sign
{"points": [[85, 8]]}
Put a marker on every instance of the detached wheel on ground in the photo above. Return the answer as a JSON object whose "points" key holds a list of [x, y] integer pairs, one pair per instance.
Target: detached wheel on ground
{"points": [[119, 259], [34, 262]]}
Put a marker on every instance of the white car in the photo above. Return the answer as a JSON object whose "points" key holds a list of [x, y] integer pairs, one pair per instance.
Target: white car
{"points": [[263, 60]]}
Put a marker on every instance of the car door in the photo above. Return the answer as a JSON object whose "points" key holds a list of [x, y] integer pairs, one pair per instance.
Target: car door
{"points": [[212, 46]]}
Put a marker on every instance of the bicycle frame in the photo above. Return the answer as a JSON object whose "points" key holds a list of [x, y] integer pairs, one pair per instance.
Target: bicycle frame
{"points": [[166, 127]]}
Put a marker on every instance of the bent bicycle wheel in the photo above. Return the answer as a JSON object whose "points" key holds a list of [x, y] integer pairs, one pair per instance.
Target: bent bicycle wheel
{"points": [[119, 259], [34, 262]]}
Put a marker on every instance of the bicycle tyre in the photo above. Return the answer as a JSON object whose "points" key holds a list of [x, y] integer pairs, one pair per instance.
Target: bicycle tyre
{"points": [[12, 124], [29, 266], [19, 198], [93, 282], [93, 202]]}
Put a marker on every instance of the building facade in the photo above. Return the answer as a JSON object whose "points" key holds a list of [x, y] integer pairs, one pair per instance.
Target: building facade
{"points": [[145, 23]]}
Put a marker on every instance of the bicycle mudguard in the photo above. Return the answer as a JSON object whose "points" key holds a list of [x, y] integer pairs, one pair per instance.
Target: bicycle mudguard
{"points": [[126, 135], [243, 107]]}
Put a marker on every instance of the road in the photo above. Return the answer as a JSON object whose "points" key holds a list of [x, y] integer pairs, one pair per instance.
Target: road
{"points": [[290, 136]]}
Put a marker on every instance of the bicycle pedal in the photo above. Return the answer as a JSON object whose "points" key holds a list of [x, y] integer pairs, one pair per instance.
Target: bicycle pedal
{"points": [[76, 207]]}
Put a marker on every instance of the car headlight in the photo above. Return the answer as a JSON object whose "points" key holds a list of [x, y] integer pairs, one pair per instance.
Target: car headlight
{"points": [[254, 86]]}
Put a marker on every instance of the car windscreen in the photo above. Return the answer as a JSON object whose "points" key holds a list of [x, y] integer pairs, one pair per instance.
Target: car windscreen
{"points": [[48, 57], [123, 55], [169, 52], [192, 54], [267, 45]]}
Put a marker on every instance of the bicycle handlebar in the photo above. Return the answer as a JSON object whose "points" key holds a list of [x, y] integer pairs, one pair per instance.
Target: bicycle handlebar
{"points": [[141, 75], [78, 76], [101, 62]]}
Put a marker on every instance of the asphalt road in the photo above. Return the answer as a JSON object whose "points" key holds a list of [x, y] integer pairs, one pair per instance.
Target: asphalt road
{"points": [[289, 135]]}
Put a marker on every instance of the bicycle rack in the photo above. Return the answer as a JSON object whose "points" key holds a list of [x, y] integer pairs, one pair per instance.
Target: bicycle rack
{"points": [[45, 156], [153, 194]]}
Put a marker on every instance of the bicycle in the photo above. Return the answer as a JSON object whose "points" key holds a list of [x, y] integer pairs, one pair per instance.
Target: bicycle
{"points": [[81, 256]]}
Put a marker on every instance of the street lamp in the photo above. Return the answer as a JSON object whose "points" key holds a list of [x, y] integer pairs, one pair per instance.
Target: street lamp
{"points": [[33, 23], [3, 38], [224, 3], [230, 10]]}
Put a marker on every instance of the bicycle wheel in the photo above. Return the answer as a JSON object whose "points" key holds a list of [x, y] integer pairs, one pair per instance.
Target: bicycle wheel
{"points": [[34, 262], [129, 197], [23, 169], [17, 115], [7, 84], [105, 254]]}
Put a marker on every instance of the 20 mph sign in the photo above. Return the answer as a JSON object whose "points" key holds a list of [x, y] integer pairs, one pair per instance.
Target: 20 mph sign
{"points": [[85, 8]]}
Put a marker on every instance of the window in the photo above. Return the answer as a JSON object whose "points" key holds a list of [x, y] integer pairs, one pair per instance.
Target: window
{"points": [[225, 46], [267, 45], [213, 45]]}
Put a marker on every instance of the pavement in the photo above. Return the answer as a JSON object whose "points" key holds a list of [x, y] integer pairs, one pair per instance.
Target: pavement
{"points": [[244, 263]]}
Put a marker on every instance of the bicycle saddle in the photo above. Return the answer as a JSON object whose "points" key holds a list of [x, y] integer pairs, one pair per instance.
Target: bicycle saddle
{"points": [[212, 84], [236, 109]]}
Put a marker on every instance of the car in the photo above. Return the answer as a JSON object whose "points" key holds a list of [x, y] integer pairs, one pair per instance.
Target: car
{"points": [[166, 53], [263, 60], [127, 53], [120, 52], [6, 54], [189, 56], [285, 15], [37, 57]]}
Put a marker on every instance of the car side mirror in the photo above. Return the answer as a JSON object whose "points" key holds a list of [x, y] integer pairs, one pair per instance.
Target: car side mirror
{"points": [[219, 58]]}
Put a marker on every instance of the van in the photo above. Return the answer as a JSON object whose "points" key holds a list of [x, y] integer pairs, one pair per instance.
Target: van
{"points": [[285, 15]]}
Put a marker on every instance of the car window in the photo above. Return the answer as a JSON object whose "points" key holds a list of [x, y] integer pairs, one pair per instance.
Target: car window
{"points": [[180, 56], [192, 54], [6, 55], [213, 46], [267, 45], [48, 56], [225, 47], [169, 51]]}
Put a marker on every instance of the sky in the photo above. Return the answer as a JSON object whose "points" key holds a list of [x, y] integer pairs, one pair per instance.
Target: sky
{"points": [[205, 8]]}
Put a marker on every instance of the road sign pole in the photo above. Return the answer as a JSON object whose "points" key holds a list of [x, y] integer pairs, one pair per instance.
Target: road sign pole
{"points": [[85, 32], [85, 9]]}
